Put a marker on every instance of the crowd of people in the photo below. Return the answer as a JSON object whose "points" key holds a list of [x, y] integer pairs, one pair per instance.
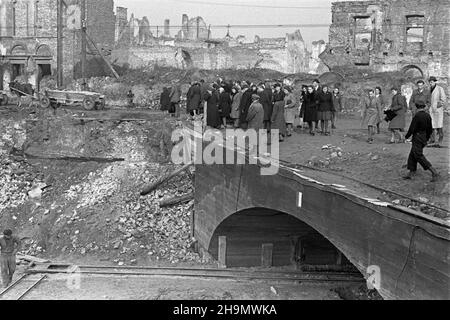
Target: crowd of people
{"points": [[247, 105]]}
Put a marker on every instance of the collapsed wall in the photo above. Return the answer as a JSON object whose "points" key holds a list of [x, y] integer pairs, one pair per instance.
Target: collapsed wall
{"points": [[391, 35]]}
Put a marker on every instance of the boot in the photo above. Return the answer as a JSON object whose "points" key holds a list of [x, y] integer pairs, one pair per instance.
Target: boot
{"points": [[435, 174], [409, 176]]}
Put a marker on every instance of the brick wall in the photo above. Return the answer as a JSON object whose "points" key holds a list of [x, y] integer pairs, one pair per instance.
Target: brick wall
{"points": [[43, 14], [389, 48]]}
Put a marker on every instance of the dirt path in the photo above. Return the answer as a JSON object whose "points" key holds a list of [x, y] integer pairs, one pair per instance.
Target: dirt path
{"points": [[95, 287], [379, 163]]}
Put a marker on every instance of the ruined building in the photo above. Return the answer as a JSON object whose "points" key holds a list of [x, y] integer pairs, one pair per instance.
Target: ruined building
{"points": [[194, 47], [28, 37], [391, 35], [193, 29]]}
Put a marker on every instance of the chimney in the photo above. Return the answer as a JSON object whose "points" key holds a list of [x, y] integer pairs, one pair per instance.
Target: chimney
{"points": [[167, 28]]}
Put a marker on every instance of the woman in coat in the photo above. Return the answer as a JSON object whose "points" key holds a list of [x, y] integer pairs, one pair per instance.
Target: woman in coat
{"points": [[194, 99], [325, 110], [255, 115], [379, 96], [164, 100], [236, 102], [309, 109], [224, 105], [397, 125], [289, 110], [278, 121], [212, 111], [371, 113]]}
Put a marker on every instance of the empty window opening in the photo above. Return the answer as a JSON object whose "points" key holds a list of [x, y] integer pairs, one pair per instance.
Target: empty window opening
{"points": [[363, 32], [415, 29]]}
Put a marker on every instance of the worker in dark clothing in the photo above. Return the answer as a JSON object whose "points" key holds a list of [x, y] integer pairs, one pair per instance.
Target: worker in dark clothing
{"points": [[130, 98], [420, 129], [9, 245]]}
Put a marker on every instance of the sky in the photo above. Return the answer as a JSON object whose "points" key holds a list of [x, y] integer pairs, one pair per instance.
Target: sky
{"points": [[239, 12]]}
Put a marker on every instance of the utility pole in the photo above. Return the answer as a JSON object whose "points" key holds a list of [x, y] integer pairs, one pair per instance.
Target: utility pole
{"points": [[83, 42], [59, 54]]}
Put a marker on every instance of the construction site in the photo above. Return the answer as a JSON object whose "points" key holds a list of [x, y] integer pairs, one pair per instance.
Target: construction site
{"points": [[88, 184]]}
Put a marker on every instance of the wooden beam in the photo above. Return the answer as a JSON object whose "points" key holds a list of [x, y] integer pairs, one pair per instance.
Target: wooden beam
{"points": [[177, 200], [222, 254], [152, 187], [267, 255]]}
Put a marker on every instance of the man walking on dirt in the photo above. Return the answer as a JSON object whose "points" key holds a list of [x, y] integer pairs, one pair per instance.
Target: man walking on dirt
{"points": [[9, 245], [420, 130]]}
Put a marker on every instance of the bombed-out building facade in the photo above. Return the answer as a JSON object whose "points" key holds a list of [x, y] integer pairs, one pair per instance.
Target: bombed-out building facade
{"points": [[391, 35], [28, 37], [193, 45]]}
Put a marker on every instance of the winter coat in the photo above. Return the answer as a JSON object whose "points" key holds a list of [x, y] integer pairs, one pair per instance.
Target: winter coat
{"points": [[399, 106], [266, 101], [255, 116], [325, 102], [175, 94], [278, 96], [225, 104], [309, 108], [164, 100], [235, 105], [372, 111], [290, 108], [278, 121], [438, 99], [212, 113], [193, 98], [337, 103], [246, 101]]}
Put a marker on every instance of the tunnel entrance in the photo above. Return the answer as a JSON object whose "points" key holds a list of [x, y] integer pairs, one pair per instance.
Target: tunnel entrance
{"points": [[256, 235]]}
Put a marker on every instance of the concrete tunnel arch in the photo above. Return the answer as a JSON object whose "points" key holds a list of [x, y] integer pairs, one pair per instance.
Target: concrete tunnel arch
{"points": [[294, 241]]}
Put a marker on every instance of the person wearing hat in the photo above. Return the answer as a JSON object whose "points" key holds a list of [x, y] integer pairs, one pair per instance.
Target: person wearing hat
{"points": [[398, 107], [9, 246], [224, 106], [246, 101], [265, 94], [420, 130], [212, 110], [255, 115], [437, 102], [236, 96]]}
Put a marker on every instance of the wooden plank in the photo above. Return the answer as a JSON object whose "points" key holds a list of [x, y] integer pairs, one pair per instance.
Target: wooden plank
{"points": [[222, 254], [31, 258], [267, 255]]}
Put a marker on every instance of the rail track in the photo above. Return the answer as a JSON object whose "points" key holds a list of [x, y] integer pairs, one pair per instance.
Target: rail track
{"points": [[233, 274], [21, 287]]}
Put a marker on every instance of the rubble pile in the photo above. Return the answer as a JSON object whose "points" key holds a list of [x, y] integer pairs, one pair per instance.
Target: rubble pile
{"points": [[333, 156], [17, 179], [132, 226]]}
